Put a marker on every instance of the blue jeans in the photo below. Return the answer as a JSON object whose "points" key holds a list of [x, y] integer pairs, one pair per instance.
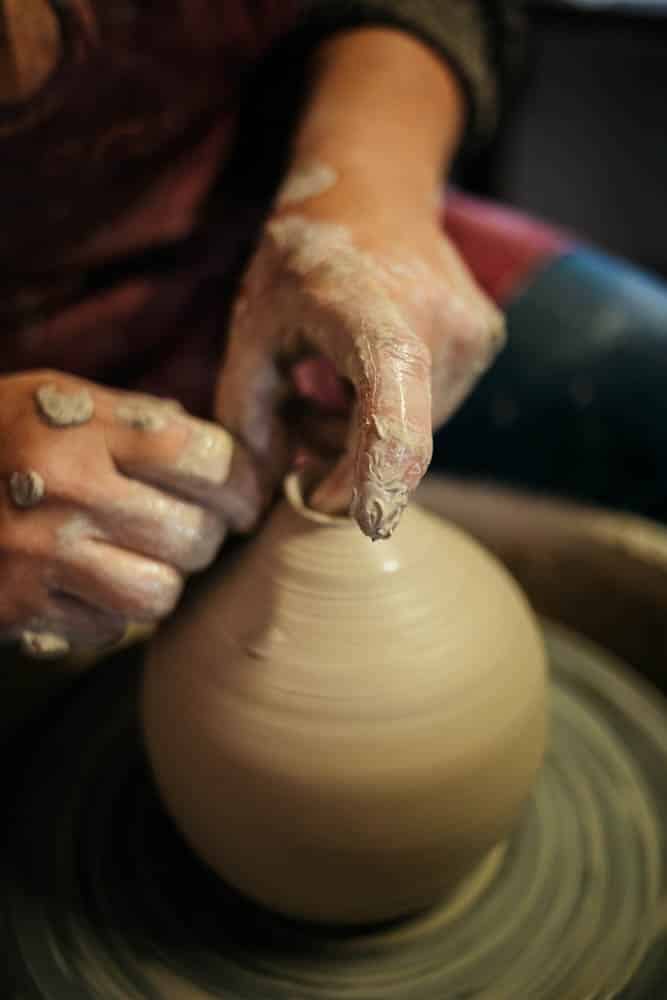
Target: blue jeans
{"points": [[576, 405]]}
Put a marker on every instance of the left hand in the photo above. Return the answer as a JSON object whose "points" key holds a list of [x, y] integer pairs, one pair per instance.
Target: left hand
{"points": [[361, 277]]}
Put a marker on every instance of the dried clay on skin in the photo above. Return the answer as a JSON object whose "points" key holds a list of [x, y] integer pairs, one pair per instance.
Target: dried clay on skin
{"points": [[305, 182], [44, 645], [147, 413], [208, 454], [394, 454], [73, 530], [64, 409], [26, 489], [184, 535], [141, 416], [378, 506]]}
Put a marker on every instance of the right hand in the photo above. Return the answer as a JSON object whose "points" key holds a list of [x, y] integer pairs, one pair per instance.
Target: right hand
{"points": [[134, 498]]}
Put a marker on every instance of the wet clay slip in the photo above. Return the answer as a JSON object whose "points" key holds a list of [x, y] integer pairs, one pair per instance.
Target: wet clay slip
{"points": [[343, 730]]}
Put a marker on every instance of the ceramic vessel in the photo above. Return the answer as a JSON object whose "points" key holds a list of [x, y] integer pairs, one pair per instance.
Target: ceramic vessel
{"points": [[343, 730]]}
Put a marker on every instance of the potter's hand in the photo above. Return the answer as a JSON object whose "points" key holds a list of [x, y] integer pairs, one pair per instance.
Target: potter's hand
{"points": [[354, 268], [108, 500]]}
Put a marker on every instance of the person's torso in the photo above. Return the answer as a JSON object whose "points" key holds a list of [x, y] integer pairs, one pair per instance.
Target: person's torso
{"points": [[136, 85], [111, 153]]}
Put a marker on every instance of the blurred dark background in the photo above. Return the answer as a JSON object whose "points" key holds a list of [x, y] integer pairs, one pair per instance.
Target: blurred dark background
{"points": [[586, 143], [576, 404]]}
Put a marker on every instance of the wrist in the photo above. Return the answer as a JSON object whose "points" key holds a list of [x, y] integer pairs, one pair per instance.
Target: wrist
{"points": [[382, 105], [364, 194]]}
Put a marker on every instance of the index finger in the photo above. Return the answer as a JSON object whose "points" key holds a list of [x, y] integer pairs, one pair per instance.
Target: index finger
{"points": [[395, 440], [195, 460], [390, 368]]}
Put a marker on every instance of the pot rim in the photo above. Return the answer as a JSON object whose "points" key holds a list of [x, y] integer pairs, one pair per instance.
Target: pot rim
{"points": [[295, 487]]}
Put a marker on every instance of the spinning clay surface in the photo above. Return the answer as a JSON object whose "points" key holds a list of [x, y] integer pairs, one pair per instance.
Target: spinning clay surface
{"points": [[101, 900], [343, 730]]}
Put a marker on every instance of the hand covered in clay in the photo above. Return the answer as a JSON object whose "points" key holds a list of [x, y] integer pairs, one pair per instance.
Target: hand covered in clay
{"points": [[380, 294], [109, 500], [354, 270]]}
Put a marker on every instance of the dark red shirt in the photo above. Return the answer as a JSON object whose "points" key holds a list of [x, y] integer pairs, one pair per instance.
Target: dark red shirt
{"points": [[114, 267]]}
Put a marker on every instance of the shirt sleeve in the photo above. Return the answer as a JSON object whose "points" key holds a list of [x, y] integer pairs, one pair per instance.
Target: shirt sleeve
{"points": [[481, 39]]}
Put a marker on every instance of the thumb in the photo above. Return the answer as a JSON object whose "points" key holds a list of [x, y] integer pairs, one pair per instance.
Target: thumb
{"points": [[250, 392]]}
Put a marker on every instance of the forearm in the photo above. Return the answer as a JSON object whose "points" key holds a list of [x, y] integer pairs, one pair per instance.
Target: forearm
{"points": [[354, 274], [381, 103]]}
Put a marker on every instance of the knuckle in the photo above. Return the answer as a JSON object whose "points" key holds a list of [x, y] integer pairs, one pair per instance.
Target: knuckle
{"points": [[397, 357], [413, 355], [64, 475], [478, 338]]}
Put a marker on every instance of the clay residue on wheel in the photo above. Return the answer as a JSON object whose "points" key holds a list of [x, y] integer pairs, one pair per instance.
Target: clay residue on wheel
{"points": [[26, 488], [64, 409], [44, 645]]}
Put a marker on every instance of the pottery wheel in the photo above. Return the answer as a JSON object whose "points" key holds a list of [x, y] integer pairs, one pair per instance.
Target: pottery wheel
{"points": [[101, 899]]}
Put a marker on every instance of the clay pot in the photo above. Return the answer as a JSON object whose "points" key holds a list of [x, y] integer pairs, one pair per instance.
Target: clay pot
{"points": [[342, 729]]}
